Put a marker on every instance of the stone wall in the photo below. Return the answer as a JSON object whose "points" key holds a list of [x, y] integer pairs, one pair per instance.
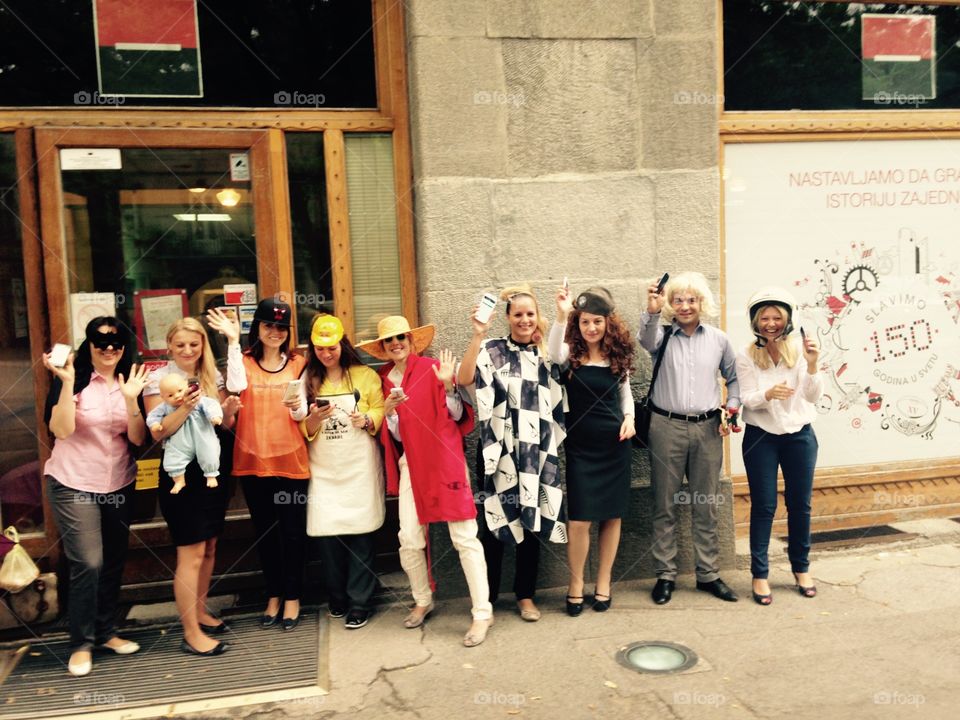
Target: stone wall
{"points": [[555, 138]]}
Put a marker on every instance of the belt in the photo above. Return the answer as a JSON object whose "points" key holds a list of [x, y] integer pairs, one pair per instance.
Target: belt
{"points": [[680, 416]]}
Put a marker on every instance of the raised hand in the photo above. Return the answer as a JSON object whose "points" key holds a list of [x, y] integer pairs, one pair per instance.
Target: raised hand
{"points": [[811, 351], [226, 325], [444, 371], [479, 328], [655, 300], [132, 387], [67, 374], [564, 300]]}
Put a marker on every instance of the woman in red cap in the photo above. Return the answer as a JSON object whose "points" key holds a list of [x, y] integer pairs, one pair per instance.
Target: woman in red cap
{"points": [[270, 456], [423, 441], [341, 410]]}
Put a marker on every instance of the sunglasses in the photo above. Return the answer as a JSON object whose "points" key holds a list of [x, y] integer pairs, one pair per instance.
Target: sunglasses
{"points": [[399, 338]]}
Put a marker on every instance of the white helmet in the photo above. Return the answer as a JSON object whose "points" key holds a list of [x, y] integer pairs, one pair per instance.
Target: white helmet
{"points": [[772, 296]]}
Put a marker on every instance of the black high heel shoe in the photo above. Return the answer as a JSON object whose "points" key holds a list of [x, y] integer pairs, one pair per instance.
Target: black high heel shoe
{"points": [[574, 608], [807, 592], [601, 605]]}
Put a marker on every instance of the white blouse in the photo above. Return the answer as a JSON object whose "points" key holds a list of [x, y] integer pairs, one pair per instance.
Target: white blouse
{"points": [[778, 417]]}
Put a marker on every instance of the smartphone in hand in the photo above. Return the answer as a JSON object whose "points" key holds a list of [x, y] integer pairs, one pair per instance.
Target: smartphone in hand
{"points": [[663, 283], [487, 303], [321, 402], [60, 354], [292, 391]]}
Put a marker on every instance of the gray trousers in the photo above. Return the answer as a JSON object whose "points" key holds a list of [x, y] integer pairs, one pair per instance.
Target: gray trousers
{"points": [[679, 448], [94, 528]]}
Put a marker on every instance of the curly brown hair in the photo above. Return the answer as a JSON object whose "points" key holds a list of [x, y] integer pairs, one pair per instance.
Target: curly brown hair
{"points": [[617, 344]]}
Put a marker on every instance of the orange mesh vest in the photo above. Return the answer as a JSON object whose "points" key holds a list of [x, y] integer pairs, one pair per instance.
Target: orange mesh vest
{"points": [[269, 442]]}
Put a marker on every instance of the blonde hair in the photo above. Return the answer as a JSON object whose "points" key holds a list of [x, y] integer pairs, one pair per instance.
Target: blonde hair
{"points": [[759, 355], [206, 368], [524, 290], [689, 282]]}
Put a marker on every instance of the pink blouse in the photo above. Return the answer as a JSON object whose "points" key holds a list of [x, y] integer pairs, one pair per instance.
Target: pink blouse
{"points": [[96, 457]]}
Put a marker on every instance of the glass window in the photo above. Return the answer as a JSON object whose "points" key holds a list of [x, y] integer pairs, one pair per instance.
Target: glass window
{"points": [[840, 56], [288, 54], [374, 251], [313, 273], [169, 220], [21, 502]]}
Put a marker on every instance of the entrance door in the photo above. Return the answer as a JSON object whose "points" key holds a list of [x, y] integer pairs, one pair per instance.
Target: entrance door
{"points": [[149, 226]]}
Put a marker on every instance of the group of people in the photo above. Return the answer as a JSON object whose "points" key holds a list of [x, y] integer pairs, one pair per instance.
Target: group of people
{"points": [[318, 439]]}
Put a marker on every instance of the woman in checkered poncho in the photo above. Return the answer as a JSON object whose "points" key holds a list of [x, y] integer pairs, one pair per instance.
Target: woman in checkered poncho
{"points": [[520, 414]]}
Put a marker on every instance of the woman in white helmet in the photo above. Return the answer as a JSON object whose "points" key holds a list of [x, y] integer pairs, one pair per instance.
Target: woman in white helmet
{"points": [[778, 392]]}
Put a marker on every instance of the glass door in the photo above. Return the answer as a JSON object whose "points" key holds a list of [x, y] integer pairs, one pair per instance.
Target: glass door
{"points": [[151, 227]]}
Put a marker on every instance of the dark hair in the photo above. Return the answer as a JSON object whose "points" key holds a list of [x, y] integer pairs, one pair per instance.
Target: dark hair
{"points": [[616, 346], [255, 347], [315, 371], [83, 361]]}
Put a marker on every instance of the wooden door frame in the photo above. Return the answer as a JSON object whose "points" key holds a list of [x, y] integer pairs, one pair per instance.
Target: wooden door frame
{"points": [[271, 223]]}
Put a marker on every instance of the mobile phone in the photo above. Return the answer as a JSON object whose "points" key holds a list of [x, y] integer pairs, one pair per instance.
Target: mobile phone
{"points": [[59, 355], [487, 303], [803, 335], [396, 391], [321, 402], [193, 384], [292, 390], [663, 282], [566, 283]]}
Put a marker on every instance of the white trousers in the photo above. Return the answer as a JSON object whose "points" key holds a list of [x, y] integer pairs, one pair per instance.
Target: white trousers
{"points": [[413, 557]]}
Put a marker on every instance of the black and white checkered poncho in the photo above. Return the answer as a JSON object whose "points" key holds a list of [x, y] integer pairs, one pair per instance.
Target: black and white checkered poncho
{"points": [[520, 411]]}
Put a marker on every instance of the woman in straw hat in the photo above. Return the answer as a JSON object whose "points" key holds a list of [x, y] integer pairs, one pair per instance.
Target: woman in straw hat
{"points": [[595, 346], [520, 409], [423, 440], [340, 412]]}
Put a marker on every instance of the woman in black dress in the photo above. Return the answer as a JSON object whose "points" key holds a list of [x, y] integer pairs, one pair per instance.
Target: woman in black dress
{"points": [[194, 515], [597, 350]]}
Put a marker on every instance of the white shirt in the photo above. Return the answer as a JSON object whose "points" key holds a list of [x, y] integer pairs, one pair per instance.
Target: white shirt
{"points": [[778, 417]]}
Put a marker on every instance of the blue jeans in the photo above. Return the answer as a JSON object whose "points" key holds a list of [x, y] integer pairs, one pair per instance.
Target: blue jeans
{"points": [[94, 528], [796, 454]]}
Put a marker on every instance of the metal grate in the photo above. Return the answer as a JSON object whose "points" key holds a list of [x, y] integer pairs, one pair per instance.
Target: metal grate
{"points": [[856, 536], [258, 661]]}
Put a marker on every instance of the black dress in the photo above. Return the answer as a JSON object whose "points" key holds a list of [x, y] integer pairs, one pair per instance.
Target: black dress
{"points": [[196, 513], [598, 463]]}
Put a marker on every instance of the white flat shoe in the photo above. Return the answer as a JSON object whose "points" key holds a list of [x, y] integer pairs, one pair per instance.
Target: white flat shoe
{"points": [[475, 637], [127, 647], [79, 668]]}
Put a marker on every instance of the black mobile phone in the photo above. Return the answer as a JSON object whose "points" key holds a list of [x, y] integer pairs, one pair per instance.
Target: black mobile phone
{"points": [[662, 283], [321, 402], [193, 384], [803, 335]]}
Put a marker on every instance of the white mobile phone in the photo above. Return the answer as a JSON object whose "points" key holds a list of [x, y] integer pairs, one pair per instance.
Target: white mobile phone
{"points": [[566, 283], [396, 391], [487, 303], [292, 390], [59, 355]]}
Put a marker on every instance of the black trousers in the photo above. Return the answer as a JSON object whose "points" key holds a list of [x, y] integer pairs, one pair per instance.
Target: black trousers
{"points": [[347, 570], [527, 564], [278, 508]]}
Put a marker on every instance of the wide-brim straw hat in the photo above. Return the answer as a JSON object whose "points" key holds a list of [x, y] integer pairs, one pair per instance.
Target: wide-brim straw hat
{"points": [[394, 325]]}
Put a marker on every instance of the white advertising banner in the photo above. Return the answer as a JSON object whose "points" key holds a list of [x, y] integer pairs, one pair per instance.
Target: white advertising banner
{"points": [[866, 235]]}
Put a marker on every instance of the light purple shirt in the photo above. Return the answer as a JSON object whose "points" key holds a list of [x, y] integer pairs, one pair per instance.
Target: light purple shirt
{"points": [[688, 381]]}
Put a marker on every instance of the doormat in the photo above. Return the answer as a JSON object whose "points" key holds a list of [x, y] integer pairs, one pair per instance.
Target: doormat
{"points": [[852, 537], [261, 665]]}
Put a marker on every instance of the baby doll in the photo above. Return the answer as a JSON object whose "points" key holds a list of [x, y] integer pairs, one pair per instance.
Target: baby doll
{"points": [[195, 438]]}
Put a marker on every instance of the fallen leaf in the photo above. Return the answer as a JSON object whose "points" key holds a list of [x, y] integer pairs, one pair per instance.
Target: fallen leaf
{"points": [[610, 684], [513, 712], [824, 612], [467, 666], [36, 654], [535, 697]]}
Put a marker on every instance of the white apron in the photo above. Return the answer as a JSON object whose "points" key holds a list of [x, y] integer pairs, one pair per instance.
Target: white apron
{"points": [[346, 492]]}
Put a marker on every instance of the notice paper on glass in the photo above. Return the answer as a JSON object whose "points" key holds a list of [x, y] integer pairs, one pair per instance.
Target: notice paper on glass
{"points": [[84, 307], [155, 311], [240, 294]]}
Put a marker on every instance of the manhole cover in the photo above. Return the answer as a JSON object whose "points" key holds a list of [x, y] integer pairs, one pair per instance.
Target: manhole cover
{"points": [[657, 656]]}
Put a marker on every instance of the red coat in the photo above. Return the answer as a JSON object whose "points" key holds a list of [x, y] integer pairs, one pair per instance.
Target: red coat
{"points": [[432, 443]]}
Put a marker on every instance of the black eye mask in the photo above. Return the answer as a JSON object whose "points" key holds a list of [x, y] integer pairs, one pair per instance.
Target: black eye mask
{"points": [[103, 340]]}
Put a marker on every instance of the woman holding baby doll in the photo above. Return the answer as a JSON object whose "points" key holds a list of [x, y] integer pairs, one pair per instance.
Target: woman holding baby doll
{"points": [[341, 409], [593, 346], [269, 455], [194, 514], [778, 392]]}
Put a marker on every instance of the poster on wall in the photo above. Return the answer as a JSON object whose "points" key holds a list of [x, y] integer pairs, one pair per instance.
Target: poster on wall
{"points": [[864, 234], [84, 307], [154, 312]]}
